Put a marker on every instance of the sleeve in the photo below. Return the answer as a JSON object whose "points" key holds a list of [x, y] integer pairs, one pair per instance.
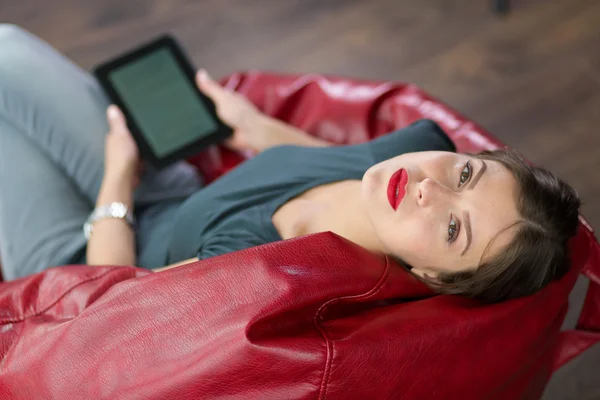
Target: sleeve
{"points": [[423, 135]]}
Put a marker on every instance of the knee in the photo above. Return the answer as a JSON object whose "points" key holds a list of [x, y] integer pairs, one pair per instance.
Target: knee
{"points": [[18, 47], [19, 55], [10, 33], [20, 52]]}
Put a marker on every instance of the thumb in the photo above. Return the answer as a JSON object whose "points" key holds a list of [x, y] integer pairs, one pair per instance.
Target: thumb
{"points": [[209, 86], [116, 120]]}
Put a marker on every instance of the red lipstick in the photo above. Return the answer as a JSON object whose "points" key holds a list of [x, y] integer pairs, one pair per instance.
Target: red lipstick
{"points": [[397, 188]]}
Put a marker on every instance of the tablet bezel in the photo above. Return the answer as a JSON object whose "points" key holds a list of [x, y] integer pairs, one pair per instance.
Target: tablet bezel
{"points": [[167, 41]]}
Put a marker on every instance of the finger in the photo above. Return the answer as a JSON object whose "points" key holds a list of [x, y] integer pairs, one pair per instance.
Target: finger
{"points": [[209, 86], [116, 119]]}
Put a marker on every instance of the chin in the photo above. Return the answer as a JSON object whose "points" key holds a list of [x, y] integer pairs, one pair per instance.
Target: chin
{"points": [[370, 188], [373, 193]]}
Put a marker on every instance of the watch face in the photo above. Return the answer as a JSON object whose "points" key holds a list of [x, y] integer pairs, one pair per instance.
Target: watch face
{"points": [[118, 210]]}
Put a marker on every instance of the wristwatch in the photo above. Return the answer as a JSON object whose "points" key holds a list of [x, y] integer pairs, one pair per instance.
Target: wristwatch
{"points": [[111, 210]]}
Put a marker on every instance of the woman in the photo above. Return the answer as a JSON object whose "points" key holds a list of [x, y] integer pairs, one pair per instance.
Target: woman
{"points": [[486, 226]]}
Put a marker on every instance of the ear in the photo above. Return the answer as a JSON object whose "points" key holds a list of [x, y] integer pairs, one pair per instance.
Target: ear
{"points": [[429, 275]]}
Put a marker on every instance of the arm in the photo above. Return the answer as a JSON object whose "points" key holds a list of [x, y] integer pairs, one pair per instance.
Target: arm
{"points": [[112, 241], [277, 133], [189, 260], [252, 130]]}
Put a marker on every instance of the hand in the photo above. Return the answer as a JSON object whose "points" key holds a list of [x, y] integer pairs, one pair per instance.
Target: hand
{"points": [[237, 112], [121, 154]]}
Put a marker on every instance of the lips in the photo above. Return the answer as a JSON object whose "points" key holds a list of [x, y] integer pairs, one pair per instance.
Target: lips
{"points": [[397, 188]]}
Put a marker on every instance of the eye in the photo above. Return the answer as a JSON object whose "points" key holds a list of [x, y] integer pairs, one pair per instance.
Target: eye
{"points": [[465, 175], [453, 229]]}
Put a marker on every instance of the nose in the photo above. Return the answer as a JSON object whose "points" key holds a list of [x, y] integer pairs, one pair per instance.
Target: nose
{"points": [[429, 191]]}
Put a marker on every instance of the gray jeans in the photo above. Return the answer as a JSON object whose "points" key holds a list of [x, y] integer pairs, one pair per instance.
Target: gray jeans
{"points": [[52, 132]]}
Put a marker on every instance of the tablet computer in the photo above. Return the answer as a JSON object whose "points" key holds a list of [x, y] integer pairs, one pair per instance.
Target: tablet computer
{"points": [[166, 113]]}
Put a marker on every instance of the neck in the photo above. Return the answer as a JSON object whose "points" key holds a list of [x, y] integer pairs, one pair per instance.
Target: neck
{"points": [[345, 216]]}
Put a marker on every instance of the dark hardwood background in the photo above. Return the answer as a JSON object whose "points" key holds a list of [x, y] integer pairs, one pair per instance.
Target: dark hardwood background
{"points": [[531, 78]]}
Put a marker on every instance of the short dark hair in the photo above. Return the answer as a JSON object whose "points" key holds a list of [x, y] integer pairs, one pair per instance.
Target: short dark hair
{"points": [[538, 252]]}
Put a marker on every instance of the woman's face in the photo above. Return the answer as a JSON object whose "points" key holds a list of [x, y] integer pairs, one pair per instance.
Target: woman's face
{"points": [[453, 205]]}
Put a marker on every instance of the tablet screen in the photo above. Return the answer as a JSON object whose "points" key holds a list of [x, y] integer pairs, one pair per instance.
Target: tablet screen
{"points": [[162, 102]]}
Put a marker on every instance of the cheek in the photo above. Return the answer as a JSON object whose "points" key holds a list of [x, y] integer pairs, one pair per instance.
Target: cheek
{"points": [[373, 196], [411, 237]]}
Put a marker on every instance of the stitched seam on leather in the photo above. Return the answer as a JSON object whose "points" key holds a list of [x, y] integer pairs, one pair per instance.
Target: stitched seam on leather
{"points": [[328, 342], [52, 304]]}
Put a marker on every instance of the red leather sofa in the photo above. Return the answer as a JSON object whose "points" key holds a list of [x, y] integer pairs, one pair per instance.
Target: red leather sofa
{"points": [[315, 317]]}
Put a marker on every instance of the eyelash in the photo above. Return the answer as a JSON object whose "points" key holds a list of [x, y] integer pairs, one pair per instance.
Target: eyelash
{"points": [[469, 170], [454, 226]]}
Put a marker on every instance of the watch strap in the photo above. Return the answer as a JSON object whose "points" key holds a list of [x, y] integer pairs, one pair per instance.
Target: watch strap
{"points": [[112, 210]]}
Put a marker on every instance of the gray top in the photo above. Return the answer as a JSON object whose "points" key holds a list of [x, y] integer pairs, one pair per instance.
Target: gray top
{"points": [[234, 212]]}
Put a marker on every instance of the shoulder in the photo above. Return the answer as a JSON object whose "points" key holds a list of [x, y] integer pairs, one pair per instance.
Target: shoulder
{"points": [[430, 126], [422, 135]]}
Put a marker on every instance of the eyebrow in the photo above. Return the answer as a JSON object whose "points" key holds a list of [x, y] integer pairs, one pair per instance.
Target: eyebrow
{"points": [[466, 216], [478, 176], [467, 219]]}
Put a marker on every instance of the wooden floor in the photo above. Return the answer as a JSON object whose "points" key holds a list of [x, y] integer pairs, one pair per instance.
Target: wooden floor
{"points": [[532, 78]]}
